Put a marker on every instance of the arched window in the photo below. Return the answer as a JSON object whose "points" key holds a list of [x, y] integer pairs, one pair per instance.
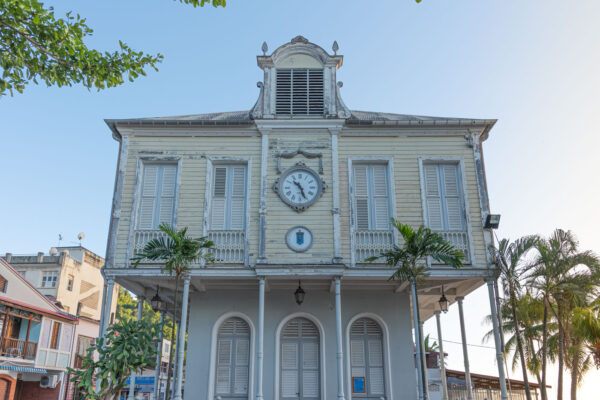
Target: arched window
{"points": [[366, 355], [233, 356], [300, 361]]}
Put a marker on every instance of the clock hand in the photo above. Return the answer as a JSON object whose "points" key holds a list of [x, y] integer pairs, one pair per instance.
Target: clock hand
{"points": [[301, 189]]}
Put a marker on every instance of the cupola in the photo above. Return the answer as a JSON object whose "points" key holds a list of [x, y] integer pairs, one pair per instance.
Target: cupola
{"points": [[299, 82]]}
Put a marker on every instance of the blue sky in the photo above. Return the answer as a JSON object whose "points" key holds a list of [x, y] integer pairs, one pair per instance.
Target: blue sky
{"points": [[532, 65]]}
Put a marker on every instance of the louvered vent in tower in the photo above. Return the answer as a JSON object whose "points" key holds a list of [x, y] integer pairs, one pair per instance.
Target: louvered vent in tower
{"points": [[299, 92]]}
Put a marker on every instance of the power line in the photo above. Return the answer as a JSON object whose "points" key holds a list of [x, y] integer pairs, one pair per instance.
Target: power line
{"points": [[468, 344]]}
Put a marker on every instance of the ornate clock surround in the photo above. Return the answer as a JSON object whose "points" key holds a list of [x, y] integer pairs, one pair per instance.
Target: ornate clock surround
{"points": [[299, 167]]}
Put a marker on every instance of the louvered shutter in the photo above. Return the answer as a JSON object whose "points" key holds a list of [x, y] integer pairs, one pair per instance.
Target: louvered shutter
{"points": [[315, 92], [219, 199], [167, 194], [289, 369], [433, 197], [284, 91], [361, 197], [452, 197], [66, 338], [376, 366], [366, 348], [242, 357], [45, 333], [224, 366], [148, 197], [238, 197], [310, 369], [299, 92], [357, 356], [380, 197]]}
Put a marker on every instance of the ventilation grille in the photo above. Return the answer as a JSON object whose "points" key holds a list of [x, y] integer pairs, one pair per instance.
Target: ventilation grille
{"points": [[234, 326], [300, 327], [299, 92], [365, 326]]}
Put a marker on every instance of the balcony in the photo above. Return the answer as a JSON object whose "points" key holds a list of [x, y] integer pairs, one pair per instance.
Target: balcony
{"points": [[460, 240], [142, 237], [372, 243], [16, 348], [229, 246]]}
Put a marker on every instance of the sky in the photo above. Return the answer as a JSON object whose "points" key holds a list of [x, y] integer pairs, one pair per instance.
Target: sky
{"points": [[532, 65]]}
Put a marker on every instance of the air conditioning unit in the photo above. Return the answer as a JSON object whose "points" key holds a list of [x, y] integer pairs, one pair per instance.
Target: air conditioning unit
{"points": [[48, 381]]}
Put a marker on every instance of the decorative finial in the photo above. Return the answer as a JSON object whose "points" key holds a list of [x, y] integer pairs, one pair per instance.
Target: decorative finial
{"points": [[265, 48], [299, 39], [335, 47]]}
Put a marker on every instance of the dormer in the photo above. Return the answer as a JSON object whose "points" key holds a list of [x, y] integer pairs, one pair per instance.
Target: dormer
{"points": [[299, 83]]}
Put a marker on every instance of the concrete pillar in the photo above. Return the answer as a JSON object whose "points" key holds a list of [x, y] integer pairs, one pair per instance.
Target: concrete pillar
{"points": [[156, 394], [418, 348], [340, 343], [424, 362], [107, 304], [463, 335], [181, 342], [441, 348], [497, 342], [260, 339], [140, 308]]}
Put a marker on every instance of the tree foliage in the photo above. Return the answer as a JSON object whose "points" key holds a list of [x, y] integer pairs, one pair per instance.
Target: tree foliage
{"points": [[38, 46], [127, 346]]}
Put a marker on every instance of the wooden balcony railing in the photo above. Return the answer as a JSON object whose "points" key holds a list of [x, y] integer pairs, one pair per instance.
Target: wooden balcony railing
{"points": [[460, 240], [16, 348], [229, 246], [372, 243], [142, 237]]}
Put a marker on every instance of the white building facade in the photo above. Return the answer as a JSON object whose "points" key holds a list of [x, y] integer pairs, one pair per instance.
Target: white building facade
{"points": [[297, 192]]}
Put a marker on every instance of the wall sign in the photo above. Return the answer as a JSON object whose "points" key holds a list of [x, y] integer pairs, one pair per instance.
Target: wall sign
{"points": [[358, 384], [299, 238]]}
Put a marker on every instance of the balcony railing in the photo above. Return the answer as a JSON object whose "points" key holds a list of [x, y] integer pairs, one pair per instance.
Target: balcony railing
{"points": [[16, 348], [229, 246], [372, 243], [460, 240], [142, 237]]}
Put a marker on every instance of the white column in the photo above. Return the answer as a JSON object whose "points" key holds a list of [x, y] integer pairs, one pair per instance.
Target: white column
{"points": [[423, 360], [497, 342], [140, 308], [260, 338], [108, 305], [463, 335], [156, 394], [442, 361], [181, 341], [418, 348], [340, 344]]}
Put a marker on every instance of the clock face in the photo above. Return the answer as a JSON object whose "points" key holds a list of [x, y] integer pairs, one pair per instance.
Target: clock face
{"points": [[299, 187]]}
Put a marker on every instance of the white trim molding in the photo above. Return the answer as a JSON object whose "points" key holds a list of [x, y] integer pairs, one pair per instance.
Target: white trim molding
{"points": [[387, 353], [213, 352], [322, 365]]}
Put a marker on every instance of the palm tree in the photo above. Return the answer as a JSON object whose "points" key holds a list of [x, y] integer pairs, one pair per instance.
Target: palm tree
{"points": [[508, 259], [557, 274], [584, 349], [410, 261], [178, 251]]}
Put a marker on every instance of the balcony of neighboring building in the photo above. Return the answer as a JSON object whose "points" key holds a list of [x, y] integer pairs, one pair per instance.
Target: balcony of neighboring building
{"points": [[20, 333]]}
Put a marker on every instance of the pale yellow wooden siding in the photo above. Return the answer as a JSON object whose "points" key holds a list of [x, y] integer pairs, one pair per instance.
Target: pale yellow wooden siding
{"points": [[406, 152], [193, 152]]}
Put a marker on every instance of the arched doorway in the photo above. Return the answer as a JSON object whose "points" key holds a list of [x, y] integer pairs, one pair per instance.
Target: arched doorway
{"points": [[7, 387], [233, 359], [300, 361], [366, 359]]}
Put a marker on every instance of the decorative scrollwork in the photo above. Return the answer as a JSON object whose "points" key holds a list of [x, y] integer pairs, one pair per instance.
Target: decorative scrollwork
{"points": [[306, 154]]}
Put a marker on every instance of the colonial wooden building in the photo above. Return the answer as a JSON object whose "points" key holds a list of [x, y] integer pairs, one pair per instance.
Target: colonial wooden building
{"points": [[296, 193]]}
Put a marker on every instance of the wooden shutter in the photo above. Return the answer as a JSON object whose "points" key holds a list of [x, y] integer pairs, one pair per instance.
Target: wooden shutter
{"points": [[167, 194], [361, 197], [148, 197], [453, 204], [376, 366], [45, 333], [299, 92], [3, 284], [242, 358], [380, 197], [433, 198], [289, 369], [366, 358], [223, 366], [310, 369], [233, 358], [284, 91], [55, 338], [219, 199], [238, 197], [66, 337]]}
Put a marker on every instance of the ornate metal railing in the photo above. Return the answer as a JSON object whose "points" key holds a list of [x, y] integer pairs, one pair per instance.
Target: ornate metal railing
{"points": [[460, 240], [372, 243], [229, 246], [17, 348], [142, 237]]}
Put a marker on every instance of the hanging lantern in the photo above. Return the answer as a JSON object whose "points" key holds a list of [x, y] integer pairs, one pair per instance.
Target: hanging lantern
{"points": [[299, 294], [156, 302], [443, 301]]}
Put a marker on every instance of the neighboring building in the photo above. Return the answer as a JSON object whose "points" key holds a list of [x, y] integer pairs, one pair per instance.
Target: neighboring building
{"points": [[299, 191], [85, 336], [70, 275], [36, 341], [145, 382]]}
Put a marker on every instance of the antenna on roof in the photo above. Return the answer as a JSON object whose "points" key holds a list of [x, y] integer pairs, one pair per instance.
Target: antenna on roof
{"points": [[80, 236], [59, 239]]}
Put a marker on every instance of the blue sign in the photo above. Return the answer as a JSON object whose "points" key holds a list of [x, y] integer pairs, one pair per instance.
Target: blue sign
{"points": [[358, 384], [300, 237]]}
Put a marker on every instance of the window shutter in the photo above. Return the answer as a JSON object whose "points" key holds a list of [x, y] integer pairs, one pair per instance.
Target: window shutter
{"points": [[219, 199], [284, 91], [167, 195], [45, 335], [315, 92], [289, 369], [66, 337], [452, 197], [238, 198], [224, 366], [357, 356], [310, 369], [366, 347], [376, 366], [433, 197], [149, 186], [242, 355], [361, 196], [380, 197], [299, 92]]}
